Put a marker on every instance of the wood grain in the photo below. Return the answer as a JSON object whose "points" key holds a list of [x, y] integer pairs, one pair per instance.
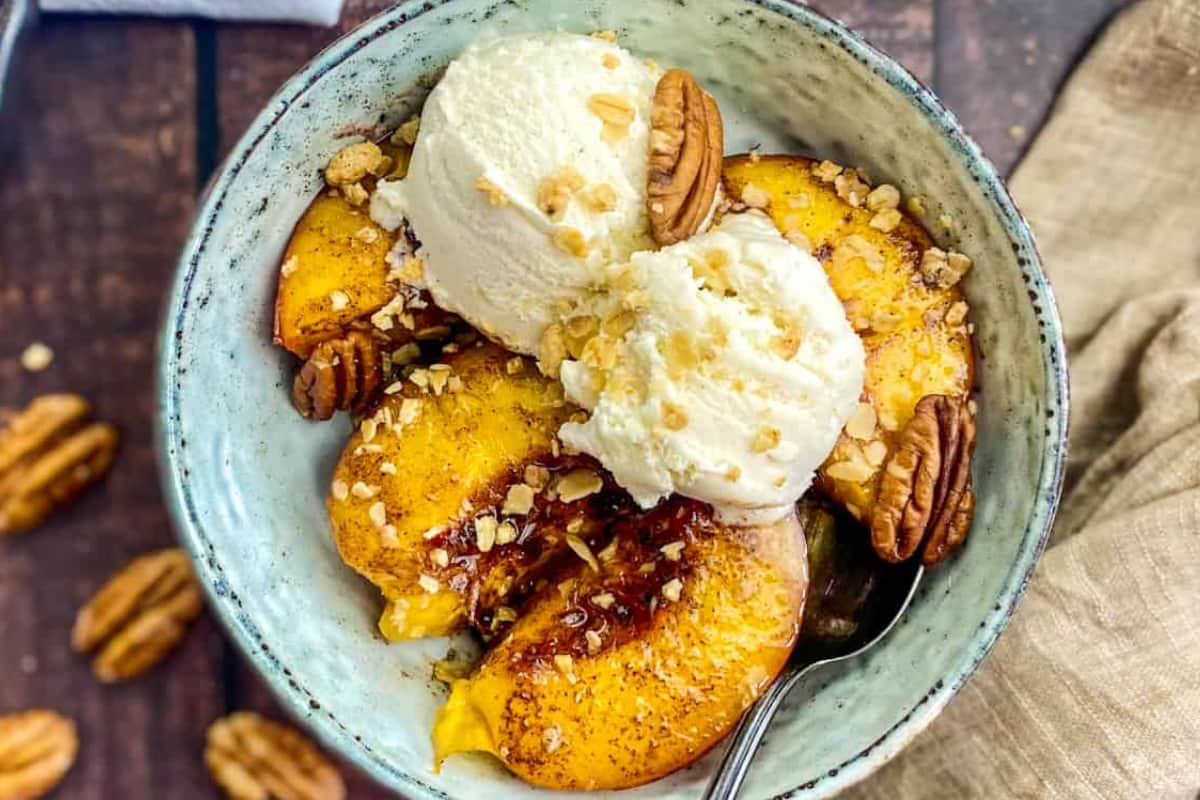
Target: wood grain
{"points": [[97, 192], [1000, 63], [100, 166]]}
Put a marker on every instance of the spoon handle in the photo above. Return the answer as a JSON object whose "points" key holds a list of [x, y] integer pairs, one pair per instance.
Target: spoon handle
{"points": [[746, 738]]}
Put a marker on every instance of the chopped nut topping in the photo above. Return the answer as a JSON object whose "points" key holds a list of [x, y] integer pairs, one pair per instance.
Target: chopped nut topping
{"points": [[957, 313], [555, 191], [514, 365], [603, 600], [289, 266], [850, 188], [354, 162], [388, 468], [439, 557], [506, 533], [339, 490], [733, 474], [616, 112], [766, 439], [495, 194], [915, 205], [581, 549], [407, 133], [852, 471], [798, 201], [673, 551], [884, 321], [754, 196], [367, 234], [409, 408], [552, 349], [537, 477], [429, 583], [827, 171], [599, 198], [647, 568], [882, 197], [798, 239], [377, 513], [437, 381], [362, 491], [434, 532], [787, 343], [571, 240], [593, 641], [610, 61], [674, 417], [355, 194], [575, 525], [519, 499], [485, 533], [36, 357], [411, 270], [854, 247], [338, 300], [886, 220], [941, 270], [861, 424], [552, 738], [578, 484], [672, 589], [875, 453]]}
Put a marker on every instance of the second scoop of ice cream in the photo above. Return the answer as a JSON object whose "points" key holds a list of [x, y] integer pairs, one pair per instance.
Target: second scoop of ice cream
{"points": [[722, 368]]}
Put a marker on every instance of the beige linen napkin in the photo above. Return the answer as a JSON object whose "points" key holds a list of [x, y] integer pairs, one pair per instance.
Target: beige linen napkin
{"points": [[1094, 690]]}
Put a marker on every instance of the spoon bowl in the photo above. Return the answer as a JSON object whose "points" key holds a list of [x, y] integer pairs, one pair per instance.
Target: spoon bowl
{"points": [[854, 601]]}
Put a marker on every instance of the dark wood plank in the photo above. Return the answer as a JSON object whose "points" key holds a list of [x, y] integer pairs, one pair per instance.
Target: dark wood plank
{"points": [[252, 62], [904, 29], [97, 193], [999, 63]]}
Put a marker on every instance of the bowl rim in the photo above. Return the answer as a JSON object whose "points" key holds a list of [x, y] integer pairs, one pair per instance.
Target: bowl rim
{"points": [[301, 704]]}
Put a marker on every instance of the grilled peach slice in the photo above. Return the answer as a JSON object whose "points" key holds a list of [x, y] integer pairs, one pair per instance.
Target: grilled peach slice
{"points": [[913, 328], [635, 664], [422, 503], [334, 274]]}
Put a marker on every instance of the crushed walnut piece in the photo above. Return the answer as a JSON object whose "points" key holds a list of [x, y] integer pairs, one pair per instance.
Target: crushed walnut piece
{"points": [[765, 439], [353, 163], [495, 194], [518, 500], [616, 113], [555, 191], [578, 484], [851, 188], [407, 133], [570, 240], [941, 269], [826, 171]]}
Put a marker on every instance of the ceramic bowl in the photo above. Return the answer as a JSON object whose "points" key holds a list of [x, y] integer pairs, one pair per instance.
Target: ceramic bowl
{"points": [[246, 477]]}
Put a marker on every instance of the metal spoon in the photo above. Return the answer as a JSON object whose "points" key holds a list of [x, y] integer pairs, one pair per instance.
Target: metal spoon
{"points": [[890, 588]]}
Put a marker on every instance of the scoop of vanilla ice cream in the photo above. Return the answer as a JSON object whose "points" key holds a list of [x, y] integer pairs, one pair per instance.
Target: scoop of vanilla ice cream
{"points": [[527, 177], [724, 370]]}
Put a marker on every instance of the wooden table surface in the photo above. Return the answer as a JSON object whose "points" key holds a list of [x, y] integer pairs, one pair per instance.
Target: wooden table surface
{"points": [[116, 125]]}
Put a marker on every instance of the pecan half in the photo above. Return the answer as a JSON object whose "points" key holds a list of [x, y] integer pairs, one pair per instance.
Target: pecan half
{"points": [[139, 615], [37, 749], [49, 453], [686, 150], [253, 758], [340, 374], [925, 494]]}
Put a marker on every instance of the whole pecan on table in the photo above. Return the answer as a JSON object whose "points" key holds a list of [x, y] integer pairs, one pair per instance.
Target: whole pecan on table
{"points": [[342, 374], [139, 615], [252, 758], [37, 749], [925, 494], [49, 453], [686, 157]]}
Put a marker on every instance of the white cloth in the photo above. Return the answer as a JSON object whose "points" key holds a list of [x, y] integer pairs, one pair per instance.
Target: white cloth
{"points": [[312, 12]]}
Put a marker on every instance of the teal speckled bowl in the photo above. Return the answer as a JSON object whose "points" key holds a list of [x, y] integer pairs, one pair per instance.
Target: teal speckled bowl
{"points": [[246, 476]]}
